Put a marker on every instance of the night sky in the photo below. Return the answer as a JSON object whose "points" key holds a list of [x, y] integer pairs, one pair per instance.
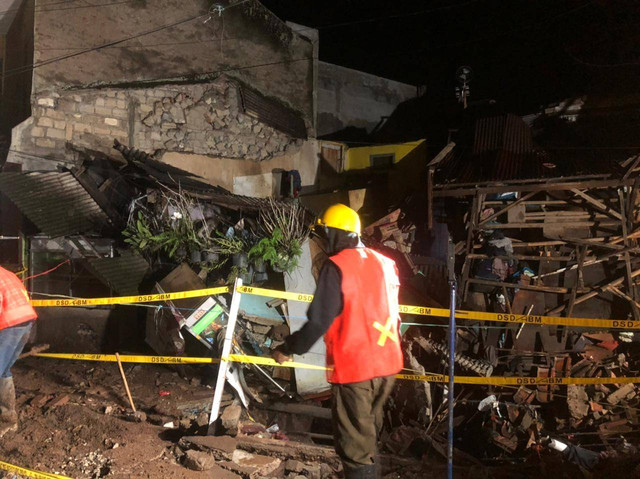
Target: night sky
{"points": [[524, 53]]}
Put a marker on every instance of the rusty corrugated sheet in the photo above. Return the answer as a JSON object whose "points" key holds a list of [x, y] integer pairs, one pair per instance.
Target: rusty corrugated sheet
{"points": [[55, 202], [272, 113], [123, 274], [503, 149]]}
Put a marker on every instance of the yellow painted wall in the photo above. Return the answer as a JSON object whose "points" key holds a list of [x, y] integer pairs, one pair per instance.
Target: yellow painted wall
{"points": [[359, 158]]}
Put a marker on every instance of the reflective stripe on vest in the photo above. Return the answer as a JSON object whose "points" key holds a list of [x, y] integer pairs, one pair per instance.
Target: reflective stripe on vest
{"points": [[363, 342]]}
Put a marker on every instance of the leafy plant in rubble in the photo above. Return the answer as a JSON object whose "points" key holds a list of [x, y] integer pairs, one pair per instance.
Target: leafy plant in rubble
{"points": [[138, 234], [280, 253], [228, 245]]}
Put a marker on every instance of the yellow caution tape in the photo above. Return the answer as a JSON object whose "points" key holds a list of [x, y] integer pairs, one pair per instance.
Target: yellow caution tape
{"points": [[266, 361], [142, 298], [473, 315], [29, 473], [111, 358], [274, 293]]}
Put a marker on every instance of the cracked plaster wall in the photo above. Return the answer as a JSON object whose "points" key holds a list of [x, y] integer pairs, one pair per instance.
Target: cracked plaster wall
{"points": [[202, 119]]}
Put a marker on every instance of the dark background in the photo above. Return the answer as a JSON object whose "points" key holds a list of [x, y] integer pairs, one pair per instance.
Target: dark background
{"points": [[524, 53]]}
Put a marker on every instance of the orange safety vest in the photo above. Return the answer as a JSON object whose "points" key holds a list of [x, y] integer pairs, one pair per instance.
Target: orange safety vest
{"points": [[364, 340], [15, 307]]}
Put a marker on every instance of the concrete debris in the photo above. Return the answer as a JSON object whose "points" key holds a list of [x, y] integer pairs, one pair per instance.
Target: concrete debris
{"points": [[198, 460], [230, 419]]}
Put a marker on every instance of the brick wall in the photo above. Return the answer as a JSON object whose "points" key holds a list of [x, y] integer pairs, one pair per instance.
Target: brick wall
{"points": [[203, 119]]}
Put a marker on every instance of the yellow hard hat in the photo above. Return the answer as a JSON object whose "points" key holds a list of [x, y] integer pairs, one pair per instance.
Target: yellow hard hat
{"points": [[341, 217]]}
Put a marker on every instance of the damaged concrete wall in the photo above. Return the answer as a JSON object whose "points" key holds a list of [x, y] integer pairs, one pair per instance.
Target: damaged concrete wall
{"points": [[223, 171], [351, 98], [245, 35], [203, 119]]}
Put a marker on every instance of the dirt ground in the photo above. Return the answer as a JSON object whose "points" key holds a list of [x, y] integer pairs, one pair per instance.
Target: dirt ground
{"points": [[75, 421]]}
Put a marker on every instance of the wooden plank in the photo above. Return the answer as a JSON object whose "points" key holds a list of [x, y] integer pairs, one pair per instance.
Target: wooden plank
{"points": [[506, 208], [529, 287], [619, 293], [627, 259], [633, 166], [589, 262], [473, 214], [581, 252], [525, 257], [586, 242], [592, 294], [439, 191], [598, 204], [573, 224]]}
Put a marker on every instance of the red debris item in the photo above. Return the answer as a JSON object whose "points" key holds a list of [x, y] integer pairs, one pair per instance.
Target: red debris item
{"points": [[164, 393], [281, 436], [595, 406]]}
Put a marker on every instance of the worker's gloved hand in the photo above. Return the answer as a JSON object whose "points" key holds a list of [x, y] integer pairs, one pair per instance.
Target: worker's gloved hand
{"points": [[280, 357]]}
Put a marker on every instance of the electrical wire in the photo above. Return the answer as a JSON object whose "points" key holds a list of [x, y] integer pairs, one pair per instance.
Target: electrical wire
{"points": [[377, 55], [48, 271], [9, 73]]}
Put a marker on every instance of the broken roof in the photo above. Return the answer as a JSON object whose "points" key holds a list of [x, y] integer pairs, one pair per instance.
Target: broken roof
{"points": [[500, 149], [55, 202]]}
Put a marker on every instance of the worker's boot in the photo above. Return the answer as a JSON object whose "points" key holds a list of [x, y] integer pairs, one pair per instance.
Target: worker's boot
{"points": [[8, 414]]}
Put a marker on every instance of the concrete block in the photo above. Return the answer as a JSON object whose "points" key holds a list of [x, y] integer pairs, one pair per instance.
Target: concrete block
{"points": [[122, 95], [102, 131], [55, 114], [77, 98], [82, 127], [43, 121], [111, 93], [111, 121], [104, 111], [121, 104], [45, 143], [111, 103], [60, 124], [46, 102], [57, 134], [99, 101], [230, 419], [118, 113], [84, 108], [222, 447], [69, 132], [67, 105], [36, 132], [198, 460], [120, 133]]}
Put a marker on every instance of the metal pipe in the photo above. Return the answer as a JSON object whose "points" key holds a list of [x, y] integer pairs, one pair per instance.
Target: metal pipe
{"points": [[452, 346], [452, 351]]}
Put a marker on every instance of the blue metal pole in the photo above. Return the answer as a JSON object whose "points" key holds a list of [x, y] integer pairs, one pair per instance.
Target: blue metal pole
{"points": [[452, 351]]}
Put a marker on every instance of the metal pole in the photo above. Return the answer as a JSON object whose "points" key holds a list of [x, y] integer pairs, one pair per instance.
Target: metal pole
{"points": [[452, 348], [226, 349]]}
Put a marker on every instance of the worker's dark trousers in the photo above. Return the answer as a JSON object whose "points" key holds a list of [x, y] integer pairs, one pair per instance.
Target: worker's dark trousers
{"points": [[357, 419]]}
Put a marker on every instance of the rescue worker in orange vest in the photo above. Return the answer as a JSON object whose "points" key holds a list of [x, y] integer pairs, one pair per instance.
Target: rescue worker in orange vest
{"points": [[16, 318], [355, 307]]}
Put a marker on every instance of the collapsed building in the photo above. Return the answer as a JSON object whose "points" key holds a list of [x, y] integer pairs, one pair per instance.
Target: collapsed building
{"points": [[174, 177]]}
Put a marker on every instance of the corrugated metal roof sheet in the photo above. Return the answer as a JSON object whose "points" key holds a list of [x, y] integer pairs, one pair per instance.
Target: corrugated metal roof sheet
{"points": [[503, 150], [55, 202], [123, 274], [272, 113]]}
